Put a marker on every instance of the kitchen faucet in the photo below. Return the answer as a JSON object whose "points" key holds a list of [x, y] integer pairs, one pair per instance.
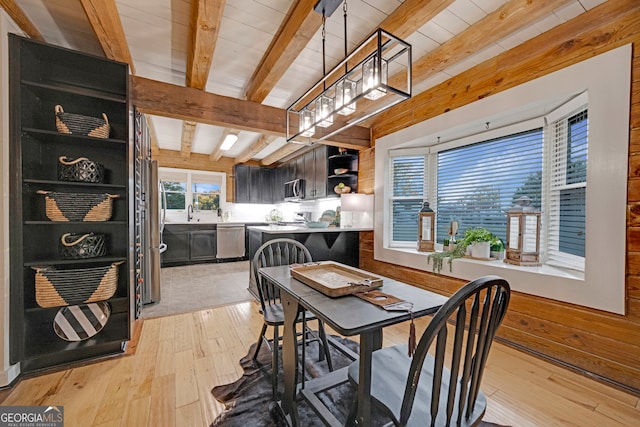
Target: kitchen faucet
{"points": [[189, 213]]}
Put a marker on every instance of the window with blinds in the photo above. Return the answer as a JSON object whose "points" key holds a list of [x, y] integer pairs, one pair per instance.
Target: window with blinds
{"points": [[478, 183], [475, 183], [407, 188], [565, 231]]}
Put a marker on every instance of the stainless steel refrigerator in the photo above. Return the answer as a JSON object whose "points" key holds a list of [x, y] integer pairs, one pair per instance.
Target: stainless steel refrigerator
{"points": [[153, 226]]}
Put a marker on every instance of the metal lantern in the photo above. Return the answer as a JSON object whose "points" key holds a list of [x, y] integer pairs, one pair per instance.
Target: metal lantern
{"points": [[426, 223], [523, 234]]}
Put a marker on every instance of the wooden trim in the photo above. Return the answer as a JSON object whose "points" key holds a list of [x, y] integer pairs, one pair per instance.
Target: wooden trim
{"points": [[281, 153], [178, 102], [105, 20]]}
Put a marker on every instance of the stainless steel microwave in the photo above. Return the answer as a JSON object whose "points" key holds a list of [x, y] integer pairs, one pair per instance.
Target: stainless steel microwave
{"points": [[294, 190]]}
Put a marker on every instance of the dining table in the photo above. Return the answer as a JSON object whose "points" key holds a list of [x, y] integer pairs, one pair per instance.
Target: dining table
{"points": [[347, 315]]}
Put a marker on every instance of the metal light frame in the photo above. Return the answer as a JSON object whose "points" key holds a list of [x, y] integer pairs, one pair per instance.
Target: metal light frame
{"points": [[389, 48]]}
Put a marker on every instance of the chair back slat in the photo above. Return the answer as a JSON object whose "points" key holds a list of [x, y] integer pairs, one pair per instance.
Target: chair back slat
{"points": [[274, 253], [474, 331]]}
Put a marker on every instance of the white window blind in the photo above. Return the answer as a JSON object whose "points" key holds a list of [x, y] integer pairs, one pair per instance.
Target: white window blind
{"points": [[566, 208], [407, 187], [477, 183]]}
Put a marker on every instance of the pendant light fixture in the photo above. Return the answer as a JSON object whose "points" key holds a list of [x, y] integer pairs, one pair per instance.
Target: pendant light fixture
{"points": [[372, 78]]}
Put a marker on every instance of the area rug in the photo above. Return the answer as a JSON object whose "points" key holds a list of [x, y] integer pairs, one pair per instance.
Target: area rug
{"points": [[248, 400]]}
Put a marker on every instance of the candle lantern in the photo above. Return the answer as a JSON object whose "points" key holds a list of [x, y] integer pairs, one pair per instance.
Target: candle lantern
{"points": [[426, 221], [523, 234]]}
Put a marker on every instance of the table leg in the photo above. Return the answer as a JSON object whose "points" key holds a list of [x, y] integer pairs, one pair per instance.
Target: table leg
{"points": [[369, 342], [289, 358]]}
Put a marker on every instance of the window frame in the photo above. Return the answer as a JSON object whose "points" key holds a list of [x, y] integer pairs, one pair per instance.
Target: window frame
{"points": [[607, 80], [188, 174]]}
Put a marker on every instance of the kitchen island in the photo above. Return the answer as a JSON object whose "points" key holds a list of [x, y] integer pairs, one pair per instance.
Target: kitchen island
{"points": [[331, 243]]}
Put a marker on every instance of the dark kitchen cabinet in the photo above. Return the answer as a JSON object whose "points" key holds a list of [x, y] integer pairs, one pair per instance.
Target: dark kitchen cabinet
{"points": [[203, 245], [254, 184], [177, 245], [189, 244], [42, 76]]}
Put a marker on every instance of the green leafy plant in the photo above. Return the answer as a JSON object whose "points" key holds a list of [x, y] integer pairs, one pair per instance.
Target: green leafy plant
{"points": [[436, 258], [477, 234]]}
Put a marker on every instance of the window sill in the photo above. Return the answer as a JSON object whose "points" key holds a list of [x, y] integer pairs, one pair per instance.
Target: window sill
{"points": [[460, 265]]}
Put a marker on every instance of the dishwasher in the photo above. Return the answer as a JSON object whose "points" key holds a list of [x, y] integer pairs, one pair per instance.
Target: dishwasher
{"points": [[230, 241]]}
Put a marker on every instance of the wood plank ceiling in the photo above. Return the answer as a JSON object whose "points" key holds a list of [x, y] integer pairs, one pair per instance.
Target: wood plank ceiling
{"points": [[205, 68]]}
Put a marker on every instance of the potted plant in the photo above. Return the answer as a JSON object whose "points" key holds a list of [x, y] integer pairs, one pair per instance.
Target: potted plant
{"points": [[497, 248], [479, 238]]}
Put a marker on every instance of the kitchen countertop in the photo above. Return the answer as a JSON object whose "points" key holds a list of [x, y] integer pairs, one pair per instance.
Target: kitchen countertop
{"points": [[276, 229]]}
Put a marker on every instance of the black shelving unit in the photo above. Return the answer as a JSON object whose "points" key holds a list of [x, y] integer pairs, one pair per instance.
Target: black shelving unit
{"points": [[41, 77], [342, 160]]}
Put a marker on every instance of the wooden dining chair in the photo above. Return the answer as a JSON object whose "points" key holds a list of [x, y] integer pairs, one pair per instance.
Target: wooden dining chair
{"points": [[278, 252], [431, 388]]}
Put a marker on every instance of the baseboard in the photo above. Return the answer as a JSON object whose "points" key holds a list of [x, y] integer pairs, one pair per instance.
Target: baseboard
{"points": [[9, 375]]}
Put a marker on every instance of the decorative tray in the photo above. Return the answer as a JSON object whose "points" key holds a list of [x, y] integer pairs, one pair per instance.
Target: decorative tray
{"points": [[335, 280]]}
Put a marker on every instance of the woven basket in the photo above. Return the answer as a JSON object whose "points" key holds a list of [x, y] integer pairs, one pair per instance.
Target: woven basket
{"points": [[77, 124], [81, 246], [62, 287], [80, 170], [78, 206]]}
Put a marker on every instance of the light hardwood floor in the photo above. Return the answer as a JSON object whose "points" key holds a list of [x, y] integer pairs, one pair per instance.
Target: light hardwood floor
{"points": [[178, 359]]}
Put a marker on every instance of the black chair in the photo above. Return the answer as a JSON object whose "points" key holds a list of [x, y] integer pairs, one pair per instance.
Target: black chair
{"points": [[275, 253], [420, 390]]}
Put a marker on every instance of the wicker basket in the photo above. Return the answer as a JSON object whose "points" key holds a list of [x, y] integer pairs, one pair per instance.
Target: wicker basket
{"points": [[80, 170], [81, 246], [77, 124], [78, 206], [62, 287]]}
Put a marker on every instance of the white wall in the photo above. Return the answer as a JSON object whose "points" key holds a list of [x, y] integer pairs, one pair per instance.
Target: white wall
{"points": [[7, 372]]}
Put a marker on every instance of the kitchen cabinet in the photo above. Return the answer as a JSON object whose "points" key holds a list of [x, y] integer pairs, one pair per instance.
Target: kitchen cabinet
{"points": [[203, 245], [189, 244], [42, 76], [254, 184], [334, 244]]}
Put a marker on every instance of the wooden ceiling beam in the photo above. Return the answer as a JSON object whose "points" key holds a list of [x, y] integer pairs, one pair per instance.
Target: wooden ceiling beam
{"points": [[281, 153], [21, 19], [206, 17], [262, 143], [292, 37], [577, 39], [104, 18], [497, 25], [188, 132], [183, 103]]}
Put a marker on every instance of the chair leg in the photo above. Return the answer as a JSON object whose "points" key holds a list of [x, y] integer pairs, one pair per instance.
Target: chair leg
{"points": [[259, 343], [325, 345], [353, 411], [275, 362]]}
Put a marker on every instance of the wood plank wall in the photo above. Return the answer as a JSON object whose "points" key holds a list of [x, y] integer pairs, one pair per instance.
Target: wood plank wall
{"points": [[592, 341]]}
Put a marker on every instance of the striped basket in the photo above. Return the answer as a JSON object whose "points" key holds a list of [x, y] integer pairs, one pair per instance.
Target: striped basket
{"points": [[78, 206], [61, 287], [77, 124]]}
